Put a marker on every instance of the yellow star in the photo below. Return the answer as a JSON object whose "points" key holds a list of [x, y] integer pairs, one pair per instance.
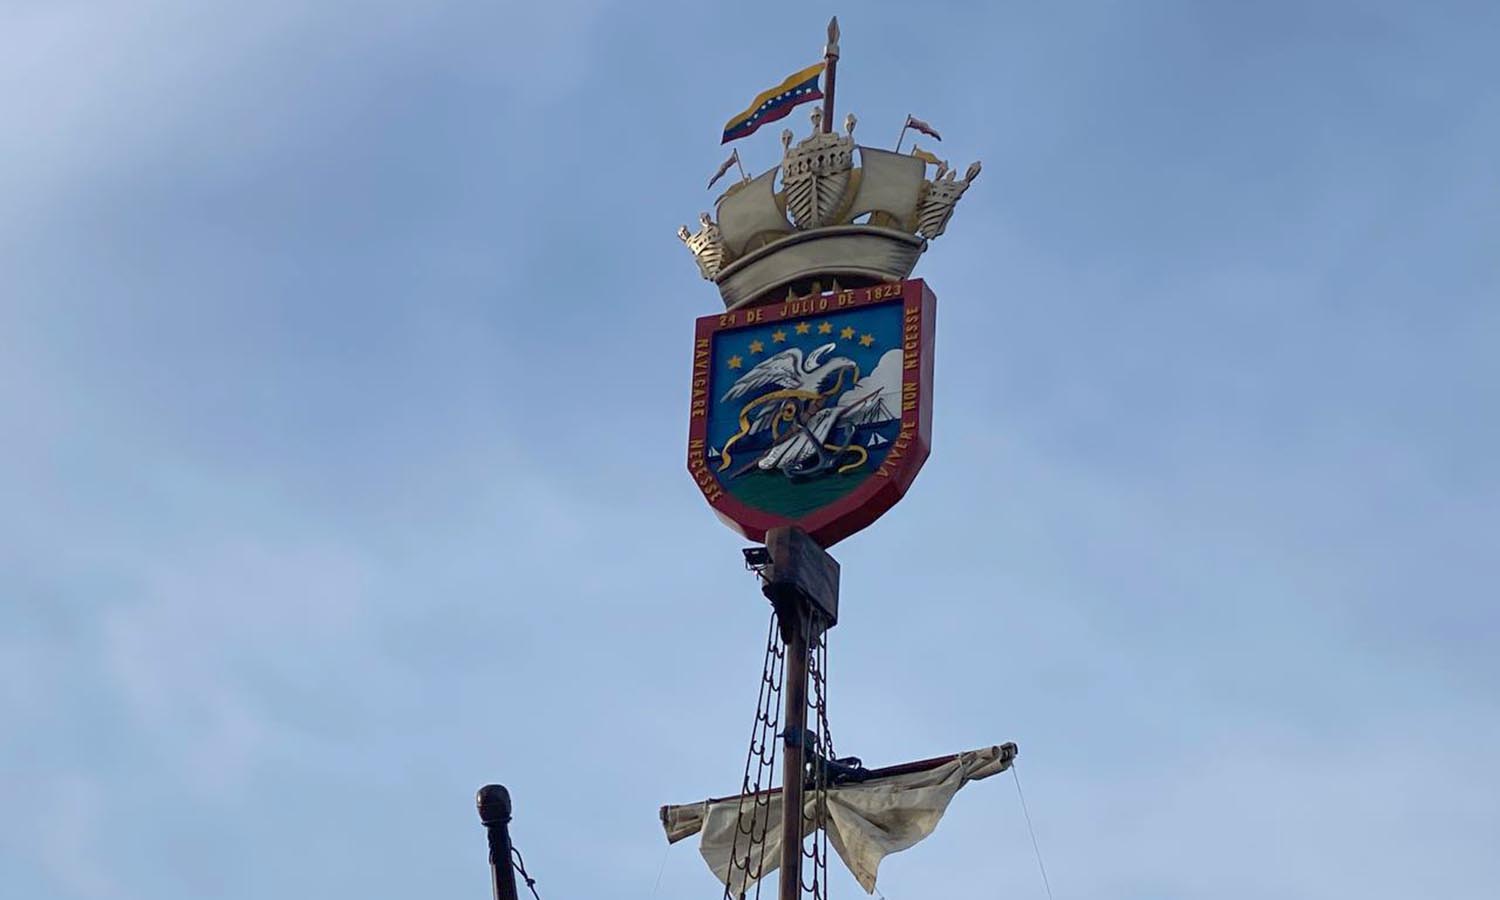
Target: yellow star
{"points": [[803, 328], [778, 336], [756, 346], [847, 334], [824, 328], [735, 362], [866, 340]]}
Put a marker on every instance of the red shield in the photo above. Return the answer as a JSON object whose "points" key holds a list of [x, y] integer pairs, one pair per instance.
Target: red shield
{"points": [[814, 412]]}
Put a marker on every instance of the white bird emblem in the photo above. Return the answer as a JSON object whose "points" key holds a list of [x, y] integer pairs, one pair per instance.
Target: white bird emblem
{"points": [[791, 389], [790, 370]]}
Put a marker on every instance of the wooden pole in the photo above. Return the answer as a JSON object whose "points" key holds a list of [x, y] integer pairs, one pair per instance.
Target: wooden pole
{"points": [[920, 765], [831, 58], [494, 812], [793, 749], [802, 583]]}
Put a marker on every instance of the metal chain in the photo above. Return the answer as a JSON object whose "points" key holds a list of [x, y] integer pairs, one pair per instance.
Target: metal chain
{"points": [[825, 738], [761, 756], [748, 850], [763, 797], [820, 753]]}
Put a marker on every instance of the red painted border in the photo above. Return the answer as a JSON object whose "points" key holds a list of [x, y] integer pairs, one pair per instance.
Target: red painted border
{"points": [[878, 492]]}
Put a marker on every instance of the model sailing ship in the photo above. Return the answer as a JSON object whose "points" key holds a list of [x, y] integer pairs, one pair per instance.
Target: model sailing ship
{"points": [[810, 418]]}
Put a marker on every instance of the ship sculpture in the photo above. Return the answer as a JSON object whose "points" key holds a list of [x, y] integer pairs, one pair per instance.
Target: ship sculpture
{"points": [[862, 224]]}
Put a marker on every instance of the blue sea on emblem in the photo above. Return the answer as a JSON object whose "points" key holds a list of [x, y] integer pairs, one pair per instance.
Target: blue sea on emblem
{"points": [[804, 409]]}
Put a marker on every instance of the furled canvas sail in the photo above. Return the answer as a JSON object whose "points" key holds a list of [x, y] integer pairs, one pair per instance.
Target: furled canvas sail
{"points": [[867, 821], [751, 211], [889, 182]]}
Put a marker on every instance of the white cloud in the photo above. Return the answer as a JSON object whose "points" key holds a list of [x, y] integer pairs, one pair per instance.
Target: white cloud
{"points": [[164, 90]]}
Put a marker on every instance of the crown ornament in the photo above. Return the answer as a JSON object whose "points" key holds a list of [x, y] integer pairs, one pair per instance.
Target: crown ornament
{"points": [[707, 245], [828, 217]]}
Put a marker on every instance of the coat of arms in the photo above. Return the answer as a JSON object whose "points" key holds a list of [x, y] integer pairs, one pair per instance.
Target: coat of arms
{"points": [[813, 411], [810, 408]]}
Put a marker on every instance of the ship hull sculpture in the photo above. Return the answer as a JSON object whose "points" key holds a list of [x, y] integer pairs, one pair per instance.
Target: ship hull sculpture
{"points": [[810, 417], [767, 241]]}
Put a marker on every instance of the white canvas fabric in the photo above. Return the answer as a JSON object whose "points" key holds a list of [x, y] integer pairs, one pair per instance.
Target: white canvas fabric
{"points": [[866, 822]]}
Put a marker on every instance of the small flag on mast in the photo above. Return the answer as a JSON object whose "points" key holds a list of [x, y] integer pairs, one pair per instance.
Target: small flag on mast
{"points": [[925, 156], [799, 87], [733, 160], [914, 122]]}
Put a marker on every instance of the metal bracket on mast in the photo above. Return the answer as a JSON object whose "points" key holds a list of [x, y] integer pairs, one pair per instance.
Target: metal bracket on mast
{"points": [[800, 579]]}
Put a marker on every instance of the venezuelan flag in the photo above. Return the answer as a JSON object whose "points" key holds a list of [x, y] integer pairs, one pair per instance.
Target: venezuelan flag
{"points": [[799, 87]]}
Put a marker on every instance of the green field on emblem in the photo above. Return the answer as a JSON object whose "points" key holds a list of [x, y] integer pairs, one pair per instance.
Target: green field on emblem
{"points": [[774, 493]]}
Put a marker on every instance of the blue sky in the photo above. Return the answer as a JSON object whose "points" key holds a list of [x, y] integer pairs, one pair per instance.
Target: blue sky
{"points": [[344, 357]]}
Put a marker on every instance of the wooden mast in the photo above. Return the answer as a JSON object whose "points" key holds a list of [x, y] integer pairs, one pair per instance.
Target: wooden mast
{"points": [[793, 750], [797, 627], [831, 58], [802, 583], [493, 801]]}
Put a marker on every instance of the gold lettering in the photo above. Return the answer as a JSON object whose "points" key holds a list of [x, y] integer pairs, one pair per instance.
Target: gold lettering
{"points": [[700, 377], [698, 468], [912, 337]]}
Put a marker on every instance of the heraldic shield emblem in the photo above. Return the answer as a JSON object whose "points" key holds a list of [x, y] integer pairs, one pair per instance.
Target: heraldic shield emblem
{"points": [[814, 411]]}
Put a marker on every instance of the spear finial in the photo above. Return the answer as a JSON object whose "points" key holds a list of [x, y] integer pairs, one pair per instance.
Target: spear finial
{"points": [[831, 58]]}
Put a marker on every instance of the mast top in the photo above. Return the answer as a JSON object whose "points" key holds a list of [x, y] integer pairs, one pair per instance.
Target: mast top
{"points": [[831, 68], [493, 801]]}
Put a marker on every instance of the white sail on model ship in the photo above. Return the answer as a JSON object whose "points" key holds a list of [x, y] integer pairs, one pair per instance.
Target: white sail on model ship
{"points": [[866, 821]]}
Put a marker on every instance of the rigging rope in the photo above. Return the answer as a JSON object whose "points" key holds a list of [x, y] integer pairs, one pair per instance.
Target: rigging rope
{"points": [[519, 864], [1034, 846], [660, 869]]}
